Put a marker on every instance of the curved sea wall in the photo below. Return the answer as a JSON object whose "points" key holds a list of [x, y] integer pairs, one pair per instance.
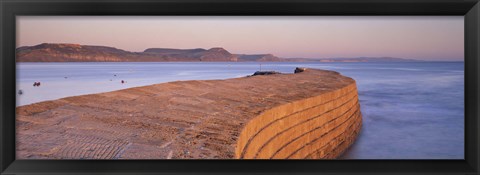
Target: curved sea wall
{"points": [[318, 127], [311, 114]]}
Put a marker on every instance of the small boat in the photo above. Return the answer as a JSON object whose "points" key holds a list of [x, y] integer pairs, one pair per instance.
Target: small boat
{"points": [[20, 92]]}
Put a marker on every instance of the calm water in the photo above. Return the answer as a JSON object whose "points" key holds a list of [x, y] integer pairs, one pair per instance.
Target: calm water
{"points": [[410, 110]]}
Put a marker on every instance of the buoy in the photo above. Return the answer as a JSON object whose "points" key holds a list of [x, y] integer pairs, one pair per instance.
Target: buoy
{"points": [[20, 92]]}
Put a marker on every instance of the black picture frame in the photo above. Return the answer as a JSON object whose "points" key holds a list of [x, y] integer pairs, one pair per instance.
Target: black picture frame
{"points": [[9, 9]]}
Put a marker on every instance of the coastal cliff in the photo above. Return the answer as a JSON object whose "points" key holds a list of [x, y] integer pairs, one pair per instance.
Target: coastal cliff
{"points": [[52, 52], [47, 52], [310, 114]]}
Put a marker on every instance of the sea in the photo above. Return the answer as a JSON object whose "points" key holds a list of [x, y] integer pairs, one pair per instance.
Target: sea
{"points": [[411, 110]]}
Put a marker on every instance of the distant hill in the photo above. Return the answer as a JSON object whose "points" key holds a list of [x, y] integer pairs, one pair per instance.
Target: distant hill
{"points": [[357, 59], [261, 57], [83, 53], [213, 54], [47, 52]]}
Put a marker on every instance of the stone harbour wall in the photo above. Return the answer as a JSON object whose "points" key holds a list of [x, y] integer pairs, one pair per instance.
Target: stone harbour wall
{"points": [[311, 114], [320, 127]]}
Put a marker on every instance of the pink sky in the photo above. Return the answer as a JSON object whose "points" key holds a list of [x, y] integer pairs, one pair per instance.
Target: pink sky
{"points": [[414, 37]]}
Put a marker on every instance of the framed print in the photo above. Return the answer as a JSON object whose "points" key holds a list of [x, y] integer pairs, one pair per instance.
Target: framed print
{"points": [[141, 87]]}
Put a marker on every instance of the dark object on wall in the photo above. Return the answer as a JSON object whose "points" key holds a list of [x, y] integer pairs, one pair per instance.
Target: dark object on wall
{"points": [[265, 73], [300, 69]]}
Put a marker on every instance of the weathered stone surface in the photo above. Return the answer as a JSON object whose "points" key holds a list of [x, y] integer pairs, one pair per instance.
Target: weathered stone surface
{"points": [[312, 114]]}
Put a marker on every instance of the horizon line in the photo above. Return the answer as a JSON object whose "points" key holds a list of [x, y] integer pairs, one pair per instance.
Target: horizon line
{"points": [[336, 57]]}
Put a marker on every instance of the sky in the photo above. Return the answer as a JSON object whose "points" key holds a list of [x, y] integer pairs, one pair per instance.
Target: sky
{"points": [[433, 38]]}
